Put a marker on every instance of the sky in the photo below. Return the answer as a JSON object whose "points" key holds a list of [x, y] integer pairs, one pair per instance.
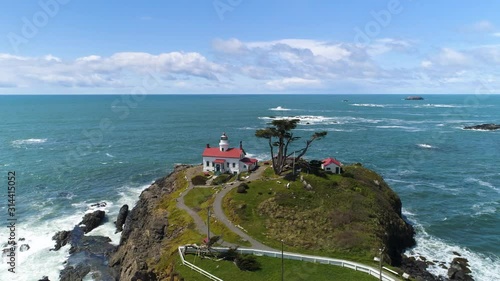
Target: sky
{"points": [[249, 47]]}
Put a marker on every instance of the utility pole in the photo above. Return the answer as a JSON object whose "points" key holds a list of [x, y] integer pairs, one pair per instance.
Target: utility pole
{"points": [[282, 263], [381, 255], [208, 223]]}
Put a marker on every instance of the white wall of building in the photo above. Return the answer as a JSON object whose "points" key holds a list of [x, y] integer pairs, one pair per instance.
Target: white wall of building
{"points": [[234, 164]]}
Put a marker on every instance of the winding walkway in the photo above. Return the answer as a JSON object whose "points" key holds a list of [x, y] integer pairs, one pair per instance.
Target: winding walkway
{"points": [[218, 212]]}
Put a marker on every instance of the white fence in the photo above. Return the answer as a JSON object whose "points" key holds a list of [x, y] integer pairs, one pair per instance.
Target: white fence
{"points": [[195, 268], [291, 256]]}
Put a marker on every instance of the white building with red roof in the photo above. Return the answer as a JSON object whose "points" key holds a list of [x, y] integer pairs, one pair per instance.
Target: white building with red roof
{"points": [[331, 165], [224, 159]]}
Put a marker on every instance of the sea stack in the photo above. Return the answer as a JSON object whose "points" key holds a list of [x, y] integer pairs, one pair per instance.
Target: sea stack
{"points": [[414, 98]]}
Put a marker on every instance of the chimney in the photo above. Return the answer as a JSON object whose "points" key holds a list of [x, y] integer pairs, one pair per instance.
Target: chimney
{"points": [[241, 145], [208, 145]]}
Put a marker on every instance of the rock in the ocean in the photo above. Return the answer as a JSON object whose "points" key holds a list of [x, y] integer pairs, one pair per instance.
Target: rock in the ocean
{"points": [[45, 278], [122, 216], [484, 127], [98, 205], [459, 270], [414, 98], [62, 238], [24, 248], [71, 273], [92, 220]]}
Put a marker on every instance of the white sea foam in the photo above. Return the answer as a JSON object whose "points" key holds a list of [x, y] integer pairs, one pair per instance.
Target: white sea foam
{"points": [[429, 105], [406, 128], [306, 119], [485, 208], [484, 268], [368, 105], [109, 155], [260, 156], [129, 196], [424, 145], [482, 183], [279, 108], [18, 143], [39, 261]]}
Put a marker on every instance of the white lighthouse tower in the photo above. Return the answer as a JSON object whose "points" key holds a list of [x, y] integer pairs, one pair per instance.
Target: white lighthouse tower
{"points": [[224, 142]]}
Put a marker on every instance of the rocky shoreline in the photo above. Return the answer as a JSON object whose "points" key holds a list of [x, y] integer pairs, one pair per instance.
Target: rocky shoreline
{"points": [[145, 232]]}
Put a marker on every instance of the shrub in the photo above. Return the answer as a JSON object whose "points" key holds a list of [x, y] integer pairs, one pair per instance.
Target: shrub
{"points": [[348, 175], [229, 255], [241, 189], [199, 180], [221, 179], [247, 263]]}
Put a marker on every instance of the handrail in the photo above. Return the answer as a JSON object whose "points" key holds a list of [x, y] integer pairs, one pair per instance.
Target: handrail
{"points": [[293, 256], [195, 268]]}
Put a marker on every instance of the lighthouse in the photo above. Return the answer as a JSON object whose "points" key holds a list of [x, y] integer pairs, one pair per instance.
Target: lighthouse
{"points": [[224, 142], [225, 159]]}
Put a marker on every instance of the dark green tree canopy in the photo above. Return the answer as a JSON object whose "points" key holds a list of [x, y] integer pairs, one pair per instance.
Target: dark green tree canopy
{"points": [[280, 136]]}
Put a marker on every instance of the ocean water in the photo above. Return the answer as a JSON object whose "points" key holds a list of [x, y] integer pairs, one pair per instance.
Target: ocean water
{"points": [[69, 152]]}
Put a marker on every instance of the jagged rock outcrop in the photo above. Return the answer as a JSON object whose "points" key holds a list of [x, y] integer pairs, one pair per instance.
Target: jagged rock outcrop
{"points": [[87, 254], [417, 269], [92, 220], [62, 238], [145, 228], [459, 270], [122, 216], [484, 127]]}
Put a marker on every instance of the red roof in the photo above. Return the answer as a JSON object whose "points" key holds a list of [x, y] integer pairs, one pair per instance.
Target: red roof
{"points": [[220, 161], [215, 152], [249, 160], [330, 160]]}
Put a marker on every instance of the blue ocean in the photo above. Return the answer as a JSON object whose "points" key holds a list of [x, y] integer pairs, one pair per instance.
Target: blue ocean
{"points": [[70, 152]]}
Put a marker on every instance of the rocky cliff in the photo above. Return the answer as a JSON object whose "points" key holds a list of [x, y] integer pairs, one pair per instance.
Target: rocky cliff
{"points": [[145, 232]]}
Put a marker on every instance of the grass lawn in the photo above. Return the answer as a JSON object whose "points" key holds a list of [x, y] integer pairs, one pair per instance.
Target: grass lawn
{"points": [[199, 199], [335, 214], [271, 271]]}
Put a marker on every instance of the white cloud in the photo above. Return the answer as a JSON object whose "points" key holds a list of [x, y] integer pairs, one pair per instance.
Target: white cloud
{"points": [[293, 82], [496, 34], [451, 57], [118, 70], [426, 64], [480, 26]]}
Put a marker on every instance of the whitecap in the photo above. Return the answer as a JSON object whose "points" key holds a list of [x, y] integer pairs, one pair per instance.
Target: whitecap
{"points": [[482, 183], [432, 248], [406, 128], [18, 143], [426, 146], [429, 105], [279, 108], [368, 105], [260, 156], [305, 119], [109, 155], [484, 208]]}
